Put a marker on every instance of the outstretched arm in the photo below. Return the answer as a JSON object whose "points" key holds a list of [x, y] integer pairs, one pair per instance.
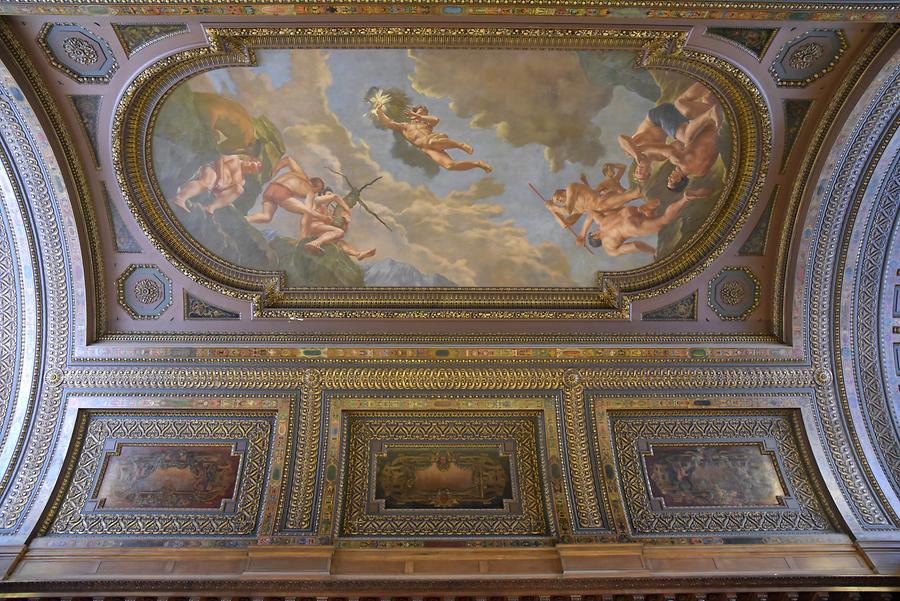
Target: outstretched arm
{"points": [[385, 120], [290, 163]]}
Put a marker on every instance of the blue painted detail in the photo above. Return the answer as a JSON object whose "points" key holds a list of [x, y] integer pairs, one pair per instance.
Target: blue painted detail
{"points": [[897, 357]]}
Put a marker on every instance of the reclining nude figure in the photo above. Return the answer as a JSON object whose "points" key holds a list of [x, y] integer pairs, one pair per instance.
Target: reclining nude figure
{"points": [[286, 190], [419, 131], [693, 122], [222, 178], [617, 227]]}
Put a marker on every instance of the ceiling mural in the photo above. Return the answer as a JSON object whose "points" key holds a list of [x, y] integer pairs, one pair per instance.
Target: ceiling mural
{"points": [[321, 299], [388, 169], [361, 168]]}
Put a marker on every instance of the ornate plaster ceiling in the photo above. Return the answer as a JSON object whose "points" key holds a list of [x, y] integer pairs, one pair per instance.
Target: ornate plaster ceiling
{"points": [[187, 369]]}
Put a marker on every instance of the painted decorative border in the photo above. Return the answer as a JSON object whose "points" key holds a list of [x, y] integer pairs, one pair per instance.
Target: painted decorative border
{"points": [[758, 55], [136, 112], [170, 30], [616, 9]]}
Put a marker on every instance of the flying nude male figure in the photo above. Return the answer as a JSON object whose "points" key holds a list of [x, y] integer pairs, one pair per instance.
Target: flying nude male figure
{"points": [[419, 131], [693, 121], [223, 178], [286, 191], [615, 227]]}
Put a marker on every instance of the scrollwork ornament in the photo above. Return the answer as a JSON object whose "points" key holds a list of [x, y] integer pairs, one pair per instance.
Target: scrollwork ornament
{"points": [[806, 55]]}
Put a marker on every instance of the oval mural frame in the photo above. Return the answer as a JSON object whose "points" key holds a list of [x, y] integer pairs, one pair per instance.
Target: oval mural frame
{"points": [[741, 99]]}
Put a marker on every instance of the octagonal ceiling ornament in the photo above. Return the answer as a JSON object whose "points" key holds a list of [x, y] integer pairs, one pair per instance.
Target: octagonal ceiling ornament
{"points": [[145, 292], [734, 293], [808, 57], [79, 53]]}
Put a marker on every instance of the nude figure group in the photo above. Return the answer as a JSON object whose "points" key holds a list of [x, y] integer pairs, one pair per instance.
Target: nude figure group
{"points": [[692, 122], [324, 215], [607, 206]]}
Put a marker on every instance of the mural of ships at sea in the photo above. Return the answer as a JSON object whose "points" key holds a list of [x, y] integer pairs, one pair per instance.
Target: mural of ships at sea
{"points": [[440, 168]]}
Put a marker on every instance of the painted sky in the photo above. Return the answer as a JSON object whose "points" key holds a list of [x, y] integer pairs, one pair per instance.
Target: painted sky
{"points": [[518, 110]]}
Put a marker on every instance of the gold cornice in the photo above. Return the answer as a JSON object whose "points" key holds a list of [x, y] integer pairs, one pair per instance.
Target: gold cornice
{"points": [[434, 378]]}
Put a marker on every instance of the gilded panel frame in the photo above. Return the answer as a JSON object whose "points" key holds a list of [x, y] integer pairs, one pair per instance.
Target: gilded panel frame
{"points": [[526, 434], [262, 465], [661, 49], [784, 425], [311, 496]]}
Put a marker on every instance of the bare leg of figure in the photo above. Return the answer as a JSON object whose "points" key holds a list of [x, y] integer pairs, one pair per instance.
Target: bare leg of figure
{"points": [[223, 200], [204, 182], [695, 126], [672, 211], [444, 160], [357, 254], [327, 234], [616, 201], [695, 100], [448, 144], [265, 215]]}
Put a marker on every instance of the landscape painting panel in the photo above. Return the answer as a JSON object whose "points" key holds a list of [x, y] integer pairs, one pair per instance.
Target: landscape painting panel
{"points": [[168, 477], [440, 478], [713, 476], [441, 168]]}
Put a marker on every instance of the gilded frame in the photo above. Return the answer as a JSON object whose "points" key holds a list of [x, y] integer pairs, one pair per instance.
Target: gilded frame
{"points": [[661, 49]]}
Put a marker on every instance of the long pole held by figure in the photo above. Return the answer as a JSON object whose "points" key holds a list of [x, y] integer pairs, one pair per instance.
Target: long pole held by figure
{"points": [[558, 218]]}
